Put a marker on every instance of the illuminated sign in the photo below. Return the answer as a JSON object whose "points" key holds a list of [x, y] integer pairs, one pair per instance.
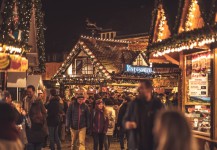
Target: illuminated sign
{"points": [[138, 69]]}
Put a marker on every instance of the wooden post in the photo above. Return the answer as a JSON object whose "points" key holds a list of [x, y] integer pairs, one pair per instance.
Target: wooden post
{"points": [[214, 95], [4, 80]]}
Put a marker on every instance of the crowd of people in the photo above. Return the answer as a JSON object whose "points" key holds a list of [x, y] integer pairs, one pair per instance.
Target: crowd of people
{"points": [[145, 121]]}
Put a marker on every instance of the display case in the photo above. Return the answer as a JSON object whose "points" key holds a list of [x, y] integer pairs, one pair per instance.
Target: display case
{"points": [[197, 100]]}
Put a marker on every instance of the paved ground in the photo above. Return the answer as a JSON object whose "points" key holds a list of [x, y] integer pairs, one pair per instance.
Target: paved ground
{"points": [[89, 145]]}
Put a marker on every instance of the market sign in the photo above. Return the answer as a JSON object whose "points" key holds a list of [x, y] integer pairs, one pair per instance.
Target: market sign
{"points": [[138, 69], [13, 63]]}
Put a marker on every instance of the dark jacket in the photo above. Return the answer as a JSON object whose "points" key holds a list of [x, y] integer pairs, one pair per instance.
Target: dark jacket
{"points": [[99, 122], [38, 130], [121, 114], [143, 113], [78, 116], [53, 113]]}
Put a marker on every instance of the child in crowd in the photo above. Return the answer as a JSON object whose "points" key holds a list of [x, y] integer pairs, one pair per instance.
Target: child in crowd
{"points": [[99, 124]]}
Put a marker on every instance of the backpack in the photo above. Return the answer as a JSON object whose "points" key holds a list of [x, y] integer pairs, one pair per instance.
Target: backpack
{"points": [[36, 116]]}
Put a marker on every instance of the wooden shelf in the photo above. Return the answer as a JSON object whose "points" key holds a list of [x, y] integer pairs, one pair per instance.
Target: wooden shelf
{"points": [[206, 104]]}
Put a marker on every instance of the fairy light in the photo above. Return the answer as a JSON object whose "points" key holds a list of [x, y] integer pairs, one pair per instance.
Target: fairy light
{"points": [[161, 25], [190, 15], [109, 40], [188, 46]]}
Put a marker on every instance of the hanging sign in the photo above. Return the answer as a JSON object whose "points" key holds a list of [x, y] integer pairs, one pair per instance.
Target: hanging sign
{"points": [[138, 69], [198, 85]]}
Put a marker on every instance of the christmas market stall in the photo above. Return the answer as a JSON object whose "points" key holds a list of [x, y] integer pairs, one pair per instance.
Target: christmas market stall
{"points": [[92, 63], [21, 37], [187, 29], [104, 65]]}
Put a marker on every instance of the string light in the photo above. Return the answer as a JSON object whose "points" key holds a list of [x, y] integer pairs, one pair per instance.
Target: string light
{"points": [[94, 60], [161, 25], [190, 15], [188, 46], [101, 39]]}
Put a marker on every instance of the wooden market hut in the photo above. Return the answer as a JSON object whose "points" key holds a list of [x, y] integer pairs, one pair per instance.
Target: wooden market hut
{"points": [[184, 32]]}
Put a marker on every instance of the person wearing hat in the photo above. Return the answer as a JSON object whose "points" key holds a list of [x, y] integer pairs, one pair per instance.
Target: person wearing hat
{"points": [[77, 119], [99, 125]]}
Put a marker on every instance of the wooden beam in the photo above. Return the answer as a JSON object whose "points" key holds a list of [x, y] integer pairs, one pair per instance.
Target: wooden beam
{"points": [[170, 59], [156, 60]]}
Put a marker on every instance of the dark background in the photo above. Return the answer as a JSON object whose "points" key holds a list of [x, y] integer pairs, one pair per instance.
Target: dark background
{"points": [[65, 19]]}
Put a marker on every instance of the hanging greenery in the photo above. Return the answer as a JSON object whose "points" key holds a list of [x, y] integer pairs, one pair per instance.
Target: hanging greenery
{"points": [[185, 39], [153, 21], [207, 7], [40, 27], [7, 17], [25, 13]]}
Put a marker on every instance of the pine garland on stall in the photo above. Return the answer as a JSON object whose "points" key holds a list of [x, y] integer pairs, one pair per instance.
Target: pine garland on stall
{"points": [[39, 15]]}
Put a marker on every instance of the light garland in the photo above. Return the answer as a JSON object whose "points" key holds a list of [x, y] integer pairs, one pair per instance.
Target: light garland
{"points": [[161, 25], [190, 15], [108, 40], [90, 54], [188, 46]]}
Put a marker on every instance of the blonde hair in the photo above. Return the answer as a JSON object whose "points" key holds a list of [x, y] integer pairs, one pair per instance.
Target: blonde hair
{"points": [[173, 132]]}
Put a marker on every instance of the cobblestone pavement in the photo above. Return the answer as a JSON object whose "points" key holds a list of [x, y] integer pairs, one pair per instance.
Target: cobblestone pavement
{"points": [[89, 145]]}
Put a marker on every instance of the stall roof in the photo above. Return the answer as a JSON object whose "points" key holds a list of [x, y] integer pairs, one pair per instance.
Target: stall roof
{"points": [[109, 54]]}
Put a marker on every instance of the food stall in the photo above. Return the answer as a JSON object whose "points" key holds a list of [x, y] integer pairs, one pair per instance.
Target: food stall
{"points": [[193, 37]]}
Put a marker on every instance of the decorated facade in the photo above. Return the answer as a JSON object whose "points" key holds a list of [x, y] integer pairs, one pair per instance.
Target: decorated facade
{"points": [[22, 41], [184, 33], [22, 31]]}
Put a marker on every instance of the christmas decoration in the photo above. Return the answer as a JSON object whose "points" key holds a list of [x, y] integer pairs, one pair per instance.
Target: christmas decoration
{"points": [[190, 15], [39, 16], [185, 40], [161, 25], [14, 31]]}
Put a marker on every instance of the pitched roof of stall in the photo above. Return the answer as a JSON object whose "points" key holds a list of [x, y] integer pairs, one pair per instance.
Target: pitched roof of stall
{"points": [[112, 54], [173, 11]]}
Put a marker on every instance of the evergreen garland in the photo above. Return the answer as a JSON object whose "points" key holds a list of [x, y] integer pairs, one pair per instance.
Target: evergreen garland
{"points": [[25, 12], [39, 16], [7, 17]]}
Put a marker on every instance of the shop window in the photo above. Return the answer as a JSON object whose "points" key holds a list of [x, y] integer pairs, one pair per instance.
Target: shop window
{"points": [[84, 66], [112, 36], [197, 90], [103, 36], [139, 61], [79, 65]]}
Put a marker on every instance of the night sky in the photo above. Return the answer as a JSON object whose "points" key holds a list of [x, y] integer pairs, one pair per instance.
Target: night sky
{"points": [[65, 19]]}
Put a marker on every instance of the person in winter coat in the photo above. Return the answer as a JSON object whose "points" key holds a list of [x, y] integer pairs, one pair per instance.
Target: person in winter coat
{"points": [[110, 111], [99, 125], [140, 116], [53, 120], [20, 120], [78, 120], [9, 135], [38, 129], [121, 115]]}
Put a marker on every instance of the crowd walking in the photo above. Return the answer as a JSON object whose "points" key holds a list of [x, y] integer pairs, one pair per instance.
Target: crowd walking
{"points": [[137, 123]]}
